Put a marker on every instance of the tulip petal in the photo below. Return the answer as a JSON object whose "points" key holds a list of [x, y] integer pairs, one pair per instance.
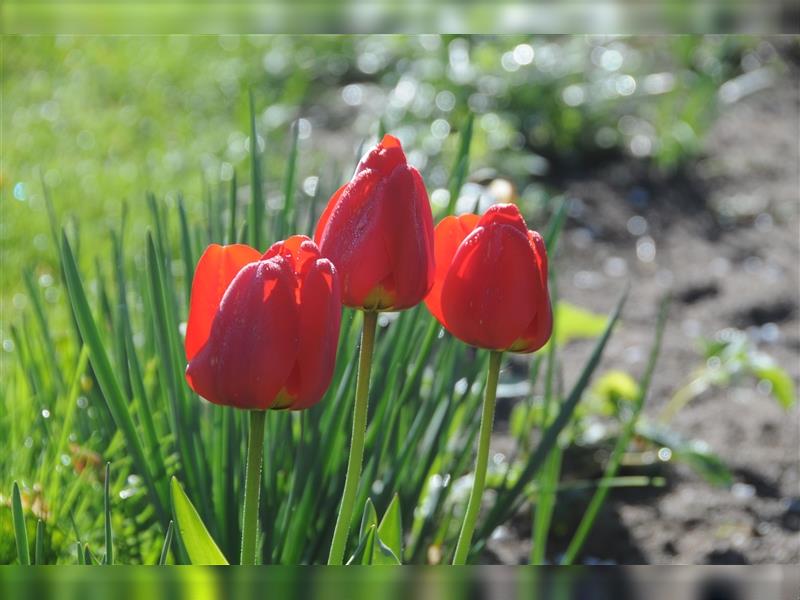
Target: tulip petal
{"points": [[537, 243], [384, 158], [488, 293], [449, 233], [538, 331], [408, 235], [326, 214], [320, 314], [253, 343], [216, 269], [297, 249], [505, 214], [352, 237]]}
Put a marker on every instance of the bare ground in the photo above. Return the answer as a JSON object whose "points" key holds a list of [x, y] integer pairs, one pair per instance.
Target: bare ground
{"points": [[726, 233]]}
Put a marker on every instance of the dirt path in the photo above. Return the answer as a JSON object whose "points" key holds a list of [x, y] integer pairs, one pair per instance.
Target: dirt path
{"points": [[725, 237]]}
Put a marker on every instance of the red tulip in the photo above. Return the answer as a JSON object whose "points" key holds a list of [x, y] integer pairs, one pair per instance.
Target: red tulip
{"points": [[263, 330], [378, 231], [490, 288]]}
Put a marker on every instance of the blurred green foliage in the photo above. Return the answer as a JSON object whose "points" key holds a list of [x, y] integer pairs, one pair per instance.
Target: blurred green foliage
{"points": [[100, 121], [104, 119]]}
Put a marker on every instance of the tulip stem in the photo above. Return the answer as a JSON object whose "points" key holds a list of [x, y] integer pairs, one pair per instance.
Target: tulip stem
{"points": [[252, 487], [485, 436], [355, 460]]}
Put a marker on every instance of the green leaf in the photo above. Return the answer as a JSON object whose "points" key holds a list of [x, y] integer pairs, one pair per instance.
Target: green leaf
{"points": [[616, 384], [390, 529], [382, 554], [461, 166], [782, 385], [287, 217], [368, 519], [231, 238], [574, 323], [623, 440], [39, 555], [257, 200], [509, 499], [167, 544], [106, 378], [89, 558], [697, 454], [20, 533], [109, 557], [365, 548], [198, 542]]}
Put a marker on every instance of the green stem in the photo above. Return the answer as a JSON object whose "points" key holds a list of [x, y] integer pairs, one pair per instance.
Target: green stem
{"points": [[355, 460], [487, 418], [252, 486]]}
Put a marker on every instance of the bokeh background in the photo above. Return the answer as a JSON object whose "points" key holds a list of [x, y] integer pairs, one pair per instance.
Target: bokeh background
{"points": [[677, 155]]}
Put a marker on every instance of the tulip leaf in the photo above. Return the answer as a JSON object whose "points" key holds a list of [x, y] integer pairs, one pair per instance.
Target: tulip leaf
{"points": [[510, 498], [695, 453], [89, 558], [39, 554], [382, 554], [198, 542], [20, 533], [573, 323], [167, 544], [390, 529], [368, 519], [782, 385], [364, 550], [256, 216], [371, 550], [461, 165], [103, 371], [109, 557]]}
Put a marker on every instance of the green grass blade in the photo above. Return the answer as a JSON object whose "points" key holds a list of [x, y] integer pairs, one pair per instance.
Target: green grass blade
{"points": [[548, 478], [461, 166], [39, 554], [554, 227], [20, 533], [287, 220], [365, 548], [167, 545], [107, 380], [621, 445], [198, 542], [369, 518], [186, 250], [167, 364], [390, 529], [256, 218], [109, 539], [545, 504], [510, 499], [44, 327], [232, 211]]}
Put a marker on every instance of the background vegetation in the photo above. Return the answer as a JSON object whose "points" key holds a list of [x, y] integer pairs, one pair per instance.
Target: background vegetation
{"points": [[142, 150]]}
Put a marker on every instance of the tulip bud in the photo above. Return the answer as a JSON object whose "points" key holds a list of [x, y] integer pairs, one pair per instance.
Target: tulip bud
{"points": [[263, 330], [378, 231], [490, 287]]}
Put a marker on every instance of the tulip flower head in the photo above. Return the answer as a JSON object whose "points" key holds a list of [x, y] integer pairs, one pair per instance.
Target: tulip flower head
{"points": [[490, 288], [378, 231], [263, 329]]}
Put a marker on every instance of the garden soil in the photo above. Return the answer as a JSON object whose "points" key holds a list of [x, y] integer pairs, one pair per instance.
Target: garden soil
{"points": [[723, 235]]}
